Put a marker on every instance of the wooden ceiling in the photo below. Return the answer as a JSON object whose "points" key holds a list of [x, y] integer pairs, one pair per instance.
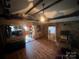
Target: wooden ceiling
{"points": [[52, 8]]}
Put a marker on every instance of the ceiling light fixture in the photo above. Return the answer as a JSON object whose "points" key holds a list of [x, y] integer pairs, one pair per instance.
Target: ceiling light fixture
{"points": [[43, 17]]}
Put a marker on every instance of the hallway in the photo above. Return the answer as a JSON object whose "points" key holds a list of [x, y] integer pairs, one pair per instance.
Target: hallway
{"points": [[36, 49]]}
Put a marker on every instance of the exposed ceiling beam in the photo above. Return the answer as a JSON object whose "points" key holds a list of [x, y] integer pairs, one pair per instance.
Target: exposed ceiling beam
{"points": [[65, 20], [76, 13], [10, 16], [36, 4], [50, 5]]}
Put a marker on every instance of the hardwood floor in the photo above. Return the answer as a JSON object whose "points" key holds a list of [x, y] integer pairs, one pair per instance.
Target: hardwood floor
{"points": [[36, 49]]}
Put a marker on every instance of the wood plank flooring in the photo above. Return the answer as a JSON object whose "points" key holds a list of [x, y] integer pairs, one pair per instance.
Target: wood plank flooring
{"points": [[36, 49]]}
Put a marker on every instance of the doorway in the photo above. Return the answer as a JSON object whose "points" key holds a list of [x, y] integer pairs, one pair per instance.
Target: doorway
{"points": [[52, 33]]}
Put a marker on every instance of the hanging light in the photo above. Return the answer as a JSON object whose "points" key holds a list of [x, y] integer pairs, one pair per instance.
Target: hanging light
{"points": [[43, 18]]}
